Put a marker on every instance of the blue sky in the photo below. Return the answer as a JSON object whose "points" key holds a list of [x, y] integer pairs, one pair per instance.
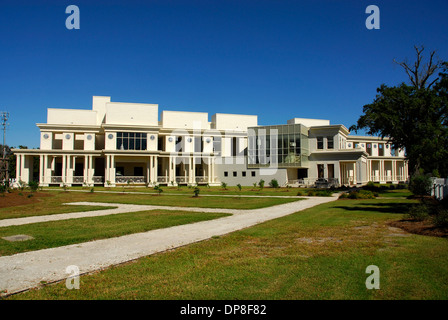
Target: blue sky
{"points": [[276, 59]]}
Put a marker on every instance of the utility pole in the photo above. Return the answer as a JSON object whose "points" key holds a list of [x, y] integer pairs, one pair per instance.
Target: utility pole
{"points": [[4, 167]]}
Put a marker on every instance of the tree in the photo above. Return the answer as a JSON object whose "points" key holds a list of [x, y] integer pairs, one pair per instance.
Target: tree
{"points": [[413, 117]]}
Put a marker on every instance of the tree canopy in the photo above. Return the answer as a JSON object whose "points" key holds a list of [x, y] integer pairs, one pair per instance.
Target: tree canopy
{"points": [[414, 117]]}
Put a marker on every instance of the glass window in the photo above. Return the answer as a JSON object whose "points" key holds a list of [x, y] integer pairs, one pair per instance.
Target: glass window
{"points": [[330, 143], [320, 142], [131, 141]]}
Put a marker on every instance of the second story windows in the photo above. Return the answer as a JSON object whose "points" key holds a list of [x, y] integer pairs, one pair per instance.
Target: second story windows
{"points": [[330, 143], [320, 143], [131, 141]]}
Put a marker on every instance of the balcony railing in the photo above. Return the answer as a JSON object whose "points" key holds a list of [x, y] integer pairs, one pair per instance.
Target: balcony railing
{"points": [[130, 179]]}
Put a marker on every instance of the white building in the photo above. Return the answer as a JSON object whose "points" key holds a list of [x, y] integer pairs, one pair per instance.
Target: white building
{"points": [[120, 143]]}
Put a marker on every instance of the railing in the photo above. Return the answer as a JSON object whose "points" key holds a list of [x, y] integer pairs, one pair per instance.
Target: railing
{"points": [[130, 179], [78, 179], [97, 179], [313, 182], [202, 179], [56, 179]]}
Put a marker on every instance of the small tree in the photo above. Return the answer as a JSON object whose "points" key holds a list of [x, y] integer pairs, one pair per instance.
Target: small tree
{"points": [[196, 192], [261, 184], [224, 185], [158, 189], [274, 183], [239, 187], [34, 185]]}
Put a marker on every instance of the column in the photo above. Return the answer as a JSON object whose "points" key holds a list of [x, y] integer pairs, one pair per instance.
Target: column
{"points": [[148, 169], [41, 169], [112, 170], [86, 170], [18, 167], [106, 171], [64, 169]]}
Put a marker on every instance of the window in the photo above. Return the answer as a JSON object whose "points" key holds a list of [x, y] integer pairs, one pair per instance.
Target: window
{"points": [[243, 173], [234, 173], [381, 149], [131, 141], [253, 173], [320, 142], [226, 174], [330, 143]]}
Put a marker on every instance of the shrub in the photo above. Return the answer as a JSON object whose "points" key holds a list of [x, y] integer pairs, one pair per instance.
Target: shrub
{"points": [[239, 187], [419, 212], [224, 185], [274, 183], [196, 192], [34, 185], [441, 218], [158, 189], [420, 184], [361, 194], [261, 184]]}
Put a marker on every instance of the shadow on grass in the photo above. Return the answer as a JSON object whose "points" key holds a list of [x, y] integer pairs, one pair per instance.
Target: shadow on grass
{"points": [[394, 208]]}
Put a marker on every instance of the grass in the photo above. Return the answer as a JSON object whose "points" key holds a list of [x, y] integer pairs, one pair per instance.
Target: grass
{"points": [[319, 253], [66, 232], [204, 190], [53, 202]]}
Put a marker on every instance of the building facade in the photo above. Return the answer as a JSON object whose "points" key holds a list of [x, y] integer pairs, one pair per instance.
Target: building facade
{"points": [[119, 143]]}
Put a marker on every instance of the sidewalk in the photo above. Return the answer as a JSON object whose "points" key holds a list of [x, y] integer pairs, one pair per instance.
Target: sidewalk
{"points": [[27, 270]]}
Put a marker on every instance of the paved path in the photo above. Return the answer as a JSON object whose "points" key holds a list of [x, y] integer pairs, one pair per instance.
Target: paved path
{"points": [[27, 270]]}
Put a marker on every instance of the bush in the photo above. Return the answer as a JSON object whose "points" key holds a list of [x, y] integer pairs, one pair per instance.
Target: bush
{"points": [[299, 193], [361, 194], [224, 185], [419, 212], [34, 185], [261, 184], [420, 184], [441, 218], [274, 183], [196, 192], [239, 187]]}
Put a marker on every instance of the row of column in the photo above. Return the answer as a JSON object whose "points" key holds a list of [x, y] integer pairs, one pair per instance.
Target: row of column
{"points": [[397, 172]]}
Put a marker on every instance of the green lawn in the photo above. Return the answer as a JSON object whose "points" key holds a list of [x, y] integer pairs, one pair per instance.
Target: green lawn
{"points": [[53, 203], [213, 190], [319, 253], [65, 232]]}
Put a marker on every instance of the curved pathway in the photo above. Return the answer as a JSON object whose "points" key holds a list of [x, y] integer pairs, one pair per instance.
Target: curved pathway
{"points": [[27, 270]]}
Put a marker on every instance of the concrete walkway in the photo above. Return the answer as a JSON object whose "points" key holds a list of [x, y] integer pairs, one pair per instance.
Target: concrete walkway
{"points": [[27, 270]]}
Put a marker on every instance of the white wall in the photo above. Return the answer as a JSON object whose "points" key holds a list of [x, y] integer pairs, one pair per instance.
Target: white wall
{"points": [[222, 121], [74, 117], [132, 114], [309, 122], [185, 120]]}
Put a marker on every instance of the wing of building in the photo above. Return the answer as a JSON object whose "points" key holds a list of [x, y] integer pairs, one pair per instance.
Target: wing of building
{"points": [[121, 143]]}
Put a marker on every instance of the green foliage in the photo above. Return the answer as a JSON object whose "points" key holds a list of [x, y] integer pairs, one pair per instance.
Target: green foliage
{"points": [[224, 185], [419, 212], [441, 218], [34, 185], [196, 192], [239, 187], [274, 183], [261, 183], [158, 189], [414, 118], [361, 194], [420, 184]]}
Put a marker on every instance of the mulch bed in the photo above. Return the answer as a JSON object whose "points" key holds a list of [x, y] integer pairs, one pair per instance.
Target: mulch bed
{"points": [[18, 198], [425, 228]]}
